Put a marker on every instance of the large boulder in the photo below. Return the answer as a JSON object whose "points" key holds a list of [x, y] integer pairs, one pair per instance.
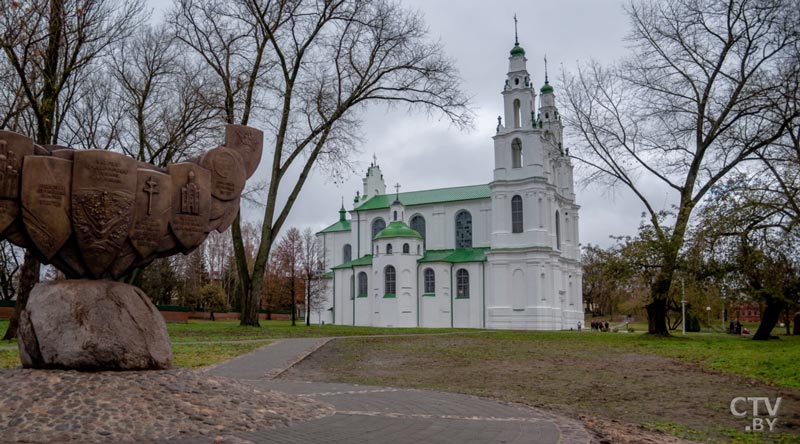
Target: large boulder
{"points": [[92, 325]]}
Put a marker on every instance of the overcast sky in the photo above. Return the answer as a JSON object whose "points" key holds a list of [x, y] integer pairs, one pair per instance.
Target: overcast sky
{"points": [[423, 153]]}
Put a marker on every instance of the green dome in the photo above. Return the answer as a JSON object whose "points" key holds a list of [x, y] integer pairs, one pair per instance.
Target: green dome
{"points": [[546, 88], [397, 229], [517, 50]]}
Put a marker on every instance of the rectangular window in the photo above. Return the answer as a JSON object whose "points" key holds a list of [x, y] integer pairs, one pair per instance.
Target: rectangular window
{"points": [[430, 281]]}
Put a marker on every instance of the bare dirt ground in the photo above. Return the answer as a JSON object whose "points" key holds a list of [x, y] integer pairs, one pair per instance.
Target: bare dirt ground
{"points": [[620, 395]]}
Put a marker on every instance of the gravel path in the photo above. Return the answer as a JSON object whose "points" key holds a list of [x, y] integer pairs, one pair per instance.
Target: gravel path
{"points": [[47, 406], [239, 402]]}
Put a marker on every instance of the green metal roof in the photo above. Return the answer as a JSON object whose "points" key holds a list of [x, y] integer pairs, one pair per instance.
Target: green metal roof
{"points": [[342, 225], [328, 275], [397, 229], [546, 88], [517, 50], [428, 197], [456, 256], [363, 260]]}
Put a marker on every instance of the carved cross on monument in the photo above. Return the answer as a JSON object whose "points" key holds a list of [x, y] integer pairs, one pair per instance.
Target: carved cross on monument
{"points": [[150, 187]]}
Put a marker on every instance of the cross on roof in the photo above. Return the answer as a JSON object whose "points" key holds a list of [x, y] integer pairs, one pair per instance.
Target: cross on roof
{"points": [[397, 191], [545, 69], [516, 38]]}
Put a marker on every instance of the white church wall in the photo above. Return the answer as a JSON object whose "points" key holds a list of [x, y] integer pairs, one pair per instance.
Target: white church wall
{"points": [[468, 312], [435, 309], [333, 247]]}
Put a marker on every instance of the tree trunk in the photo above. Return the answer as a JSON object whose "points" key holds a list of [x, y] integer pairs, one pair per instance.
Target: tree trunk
{"points": [[249, 314], [657, 317], [294, 300], [249, 301], [770, 317], [29, 276], [308, 303], [797, 324]]}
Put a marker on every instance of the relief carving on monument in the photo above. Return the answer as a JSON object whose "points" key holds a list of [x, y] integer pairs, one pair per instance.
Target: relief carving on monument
{"points": [[191, 203], [104, 184], [246, 141], [152, 210], [99, 214], [13, 148], [46, 202], [227, 172]]}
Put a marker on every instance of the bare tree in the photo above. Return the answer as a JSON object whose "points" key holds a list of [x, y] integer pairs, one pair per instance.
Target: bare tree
{"points": [[313, 66], [289, 261], [47, 44], [10, 257], [313, 264], [698, 97]]}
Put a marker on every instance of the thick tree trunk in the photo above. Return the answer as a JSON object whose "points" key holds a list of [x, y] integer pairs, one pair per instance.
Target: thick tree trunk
{"points": [[770, 317], [249, 301], [29, 276], [657, 317], [797, 324], [249, 314]]}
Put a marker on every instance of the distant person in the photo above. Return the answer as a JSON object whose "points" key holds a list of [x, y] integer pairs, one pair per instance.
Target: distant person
{"points": [[732, 328], [579, 325], [606, 325]]}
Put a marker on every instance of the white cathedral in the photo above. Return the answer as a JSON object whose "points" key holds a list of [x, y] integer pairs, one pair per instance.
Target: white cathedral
{"points": [[502, 255]]}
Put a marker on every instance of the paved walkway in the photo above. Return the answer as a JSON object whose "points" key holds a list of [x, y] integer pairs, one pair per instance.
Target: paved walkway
{"points": [[390, 415]]}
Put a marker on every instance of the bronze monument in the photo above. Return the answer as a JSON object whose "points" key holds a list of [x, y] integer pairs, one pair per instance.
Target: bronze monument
{"points": [[98, 215]]}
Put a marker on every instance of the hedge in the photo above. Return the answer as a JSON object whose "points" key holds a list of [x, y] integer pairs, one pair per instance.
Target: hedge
{"points": [[173, 308]]}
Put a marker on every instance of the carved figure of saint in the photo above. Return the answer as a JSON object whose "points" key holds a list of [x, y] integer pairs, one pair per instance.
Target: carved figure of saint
{"points": [[190, 196]]}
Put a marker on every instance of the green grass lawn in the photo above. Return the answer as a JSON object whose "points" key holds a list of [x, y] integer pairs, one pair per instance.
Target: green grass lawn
{"points": [[197, 330], [199, 355]]}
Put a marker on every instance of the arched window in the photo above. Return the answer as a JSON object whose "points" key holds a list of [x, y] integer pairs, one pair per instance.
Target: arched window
{"points": [[352, 286], [558, 230], [395, 216], [516, 214], [389, 280], [362, 284], [463, 229], [377, 249], [517, 116], [388, 248], [418, 224], [430, 281], [406, 249], [347, 253], [419, 248], [462, 284], [377, 225], [516, 153]]}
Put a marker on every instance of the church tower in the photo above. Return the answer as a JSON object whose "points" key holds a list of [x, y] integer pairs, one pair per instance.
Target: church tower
{"points": [[533, 263], [373, 182]]}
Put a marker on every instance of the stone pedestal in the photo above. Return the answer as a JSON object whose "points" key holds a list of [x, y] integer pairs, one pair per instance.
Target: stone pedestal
{"points": [[92, 325]]}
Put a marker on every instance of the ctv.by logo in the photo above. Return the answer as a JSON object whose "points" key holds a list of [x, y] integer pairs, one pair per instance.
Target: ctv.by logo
{"points": [[758, 422]]}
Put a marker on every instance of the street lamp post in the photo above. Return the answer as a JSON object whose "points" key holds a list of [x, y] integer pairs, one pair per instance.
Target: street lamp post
{"points": [[724, 306], [683, 306], [708, 311]]}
